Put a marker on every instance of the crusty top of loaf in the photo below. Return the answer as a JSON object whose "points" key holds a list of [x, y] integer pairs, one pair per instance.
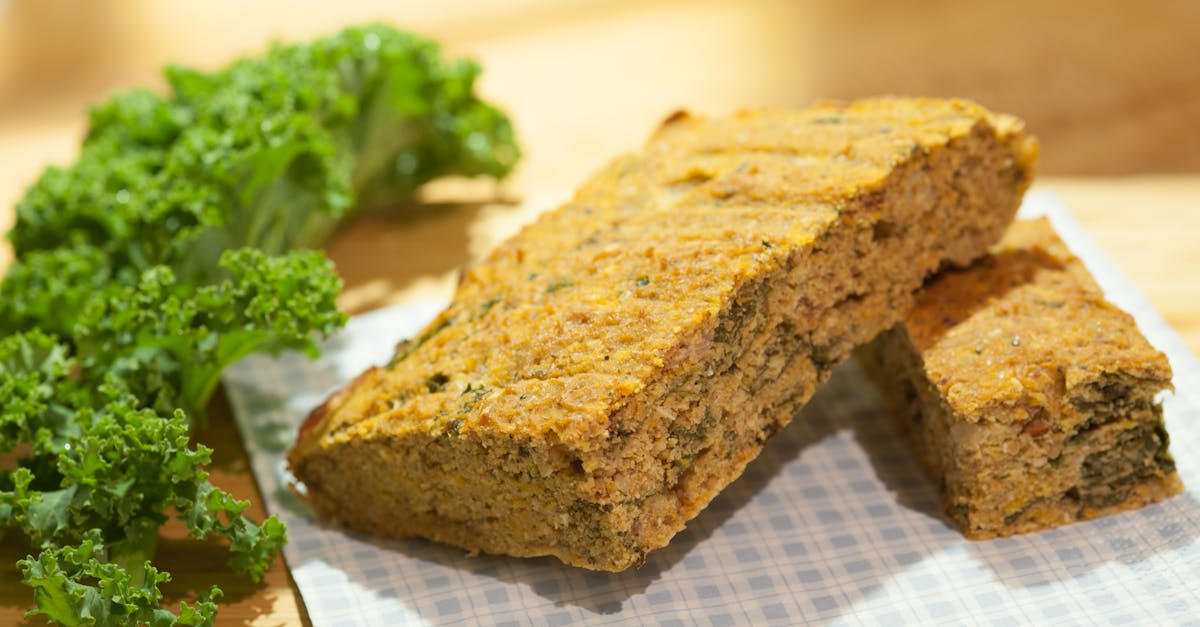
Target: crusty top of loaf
{"points": [[561, 324], [1024, 328]]}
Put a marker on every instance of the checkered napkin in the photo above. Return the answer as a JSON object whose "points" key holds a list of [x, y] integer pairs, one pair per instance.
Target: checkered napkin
{"points": [[833, 523]]}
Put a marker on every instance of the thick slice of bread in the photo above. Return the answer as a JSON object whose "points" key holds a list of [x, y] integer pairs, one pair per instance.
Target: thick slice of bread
{"points": [[1030, 399], [605, 373]]}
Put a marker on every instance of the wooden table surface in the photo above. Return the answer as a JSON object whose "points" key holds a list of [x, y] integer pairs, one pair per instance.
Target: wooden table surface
{"points": [[584, 80]]}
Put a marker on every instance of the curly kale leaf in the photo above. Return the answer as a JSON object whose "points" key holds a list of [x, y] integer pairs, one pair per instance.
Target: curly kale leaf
{"points": [[76, 585], [167, 343], [36, 401], [271, 152], [135, 204], [95, 484], [98, 474], [49, 289]]}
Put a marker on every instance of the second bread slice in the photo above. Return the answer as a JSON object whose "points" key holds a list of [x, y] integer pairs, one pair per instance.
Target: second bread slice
{"points": [[1030, 399]]}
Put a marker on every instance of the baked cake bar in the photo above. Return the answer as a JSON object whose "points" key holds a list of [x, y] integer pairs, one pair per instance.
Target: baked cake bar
{"points": [[1029, 398], [600, 377]]}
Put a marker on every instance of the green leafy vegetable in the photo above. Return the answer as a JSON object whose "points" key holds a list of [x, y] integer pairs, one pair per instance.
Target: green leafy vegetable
{"points": [[169, 342], [99, 479], [113, 599], [167, 252], [270, 152]]}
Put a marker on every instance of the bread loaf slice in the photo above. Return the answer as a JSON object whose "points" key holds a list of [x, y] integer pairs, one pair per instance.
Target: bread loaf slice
{"points": [[600, 377], [1029, 398]]}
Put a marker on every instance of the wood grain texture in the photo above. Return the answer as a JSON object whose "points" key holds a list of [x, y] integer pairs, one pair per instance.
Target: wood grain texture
{"points": [[586, 79]]}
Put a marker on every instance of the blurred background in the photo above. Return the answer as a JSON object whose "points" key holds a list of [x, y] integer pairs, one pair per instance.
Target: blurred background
{"points": [[1110, 87]]}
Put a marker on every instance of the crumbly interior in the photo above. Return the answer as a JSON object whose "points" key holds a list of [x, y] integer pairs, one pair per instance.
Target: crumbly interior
{"points": [[1029, 398], [604, 374]]}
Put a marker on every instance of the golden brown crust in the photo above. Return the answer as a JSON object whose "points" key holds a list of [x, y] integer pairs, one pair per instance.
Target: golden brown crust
{"points": [[1030, 398], [1026, 327], [602, 375]]}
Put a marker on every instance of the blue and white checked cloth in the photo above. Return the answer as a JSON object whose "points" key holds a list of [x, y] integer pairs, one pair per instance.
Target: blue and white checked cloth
{"points": [[833, 523]]}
